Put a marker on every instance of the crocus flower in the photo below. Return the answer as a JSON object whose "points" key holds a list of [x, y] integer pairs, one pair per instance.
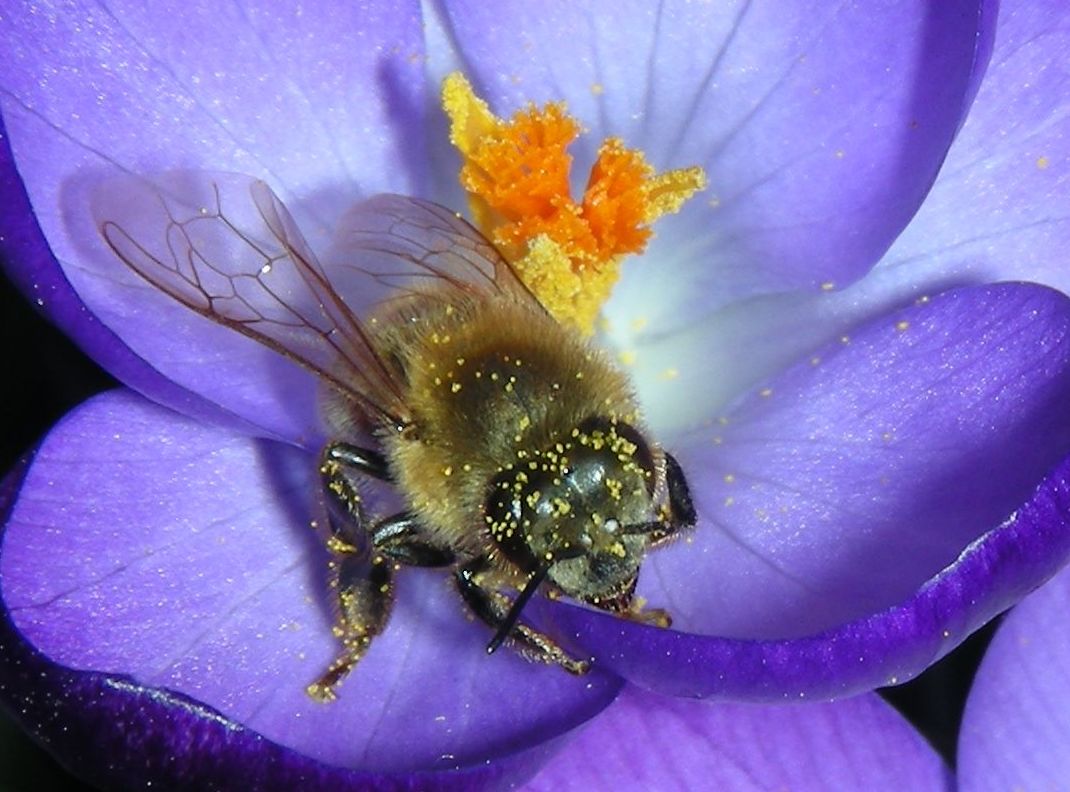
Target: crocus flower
{"points": [[873, 432]]}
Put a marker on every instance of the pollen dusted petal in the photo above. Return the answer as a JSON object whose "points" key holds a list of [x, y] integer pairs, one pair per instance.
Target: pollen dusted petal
{"points": [[516, 174]]}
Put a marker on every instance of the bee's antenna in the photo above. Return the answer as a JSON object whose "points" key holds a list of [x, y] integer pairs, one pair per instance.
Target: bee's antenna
{"points": [[511, 617]]}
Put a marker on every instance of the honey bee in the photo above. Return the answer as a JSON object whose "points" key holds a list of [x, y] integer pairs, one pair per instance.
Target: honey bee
{"points": [[516, 445]]}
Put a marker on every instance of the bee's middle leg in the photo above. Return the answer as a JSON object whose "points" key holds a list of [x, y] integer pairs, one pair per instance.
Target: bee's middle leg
{"points": [[365, 590], [403, 539], [361, 460], [399, 537], [492, 607]]}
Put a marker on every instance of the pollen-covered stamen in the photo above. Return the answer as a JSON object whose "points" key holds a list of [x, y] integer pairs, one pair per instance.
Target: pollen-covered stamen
{"points": [[516, 174]]}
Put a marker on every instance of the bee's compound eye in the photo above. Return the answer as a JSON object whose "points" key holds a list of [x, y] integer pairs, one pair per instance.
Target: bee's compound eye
{"points": [[624, 440], [507, 517]]}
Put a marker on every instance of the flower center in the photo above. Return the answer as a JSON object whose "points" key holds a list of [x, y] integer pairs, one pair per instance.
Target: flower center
{"points": [[516, 173]]}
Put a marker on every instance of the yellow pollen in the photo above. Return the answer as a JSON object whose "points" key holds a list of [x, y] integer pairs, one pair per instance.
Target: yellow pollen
{"points": [[516, 173]]}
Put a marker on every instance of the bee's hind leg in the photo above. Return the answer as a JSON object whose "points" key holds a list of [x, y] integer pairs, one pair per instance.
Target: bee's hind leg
{"points": [[492, 607], [363, 559], [361, 579], [364, 592]]}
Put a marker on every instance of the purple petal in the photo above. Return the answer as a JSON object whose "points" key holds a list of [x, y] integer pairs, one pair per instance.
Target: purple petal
{"points": [[25, 255], [644, 741], [821, 126], [1016, 727], [845, 483], [181, 558], [322, 104], [868, 510], [999, 209]]}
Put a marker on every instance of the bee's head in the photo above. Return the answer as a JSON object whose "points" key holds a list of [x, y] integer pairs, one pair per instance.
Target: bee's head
{"points": [[582, 509]]}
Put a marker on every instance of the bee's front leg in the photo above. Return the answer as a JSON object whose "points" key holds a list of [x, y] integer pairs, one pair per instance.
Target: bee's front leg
{"points": [[628, 606], [682, 517], [680, 503], [492, 607]]}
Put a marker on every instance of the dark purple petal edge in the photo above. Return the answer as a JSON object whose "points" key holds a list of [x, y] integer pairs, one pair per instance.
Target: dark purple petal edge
{"points": [[992, 574], [110, 731]]}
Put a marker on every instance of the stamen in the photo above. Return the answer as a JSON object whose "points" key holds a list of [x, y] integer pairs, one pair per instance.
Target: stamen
{"points": [[516, 174]]}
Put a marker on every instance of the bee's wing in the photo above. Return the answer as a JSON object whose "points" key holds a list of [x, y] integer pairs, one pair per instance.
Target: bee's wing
{"points": [[412, 246], [226, 247]]}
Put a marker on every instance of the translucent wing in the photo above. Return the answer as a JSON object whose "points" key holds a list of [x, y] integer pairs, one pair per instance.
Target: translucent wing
{"points": [[226, 247], [411, 246]]}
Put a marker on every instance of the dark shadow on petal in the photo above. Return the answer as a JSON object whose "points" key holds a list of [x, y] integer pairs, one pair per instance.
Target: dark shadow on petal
{"points": [[410, 106]]}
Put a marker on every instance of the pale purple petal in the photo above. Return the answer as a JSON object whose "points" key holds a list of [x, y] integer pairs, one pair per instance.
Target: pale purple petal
{"points": [[27, 260], [182, 556], [1016, 727], [999, 209], [856, 513], [847, 481], [645, 741], [821, 126], [322, 104]]}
